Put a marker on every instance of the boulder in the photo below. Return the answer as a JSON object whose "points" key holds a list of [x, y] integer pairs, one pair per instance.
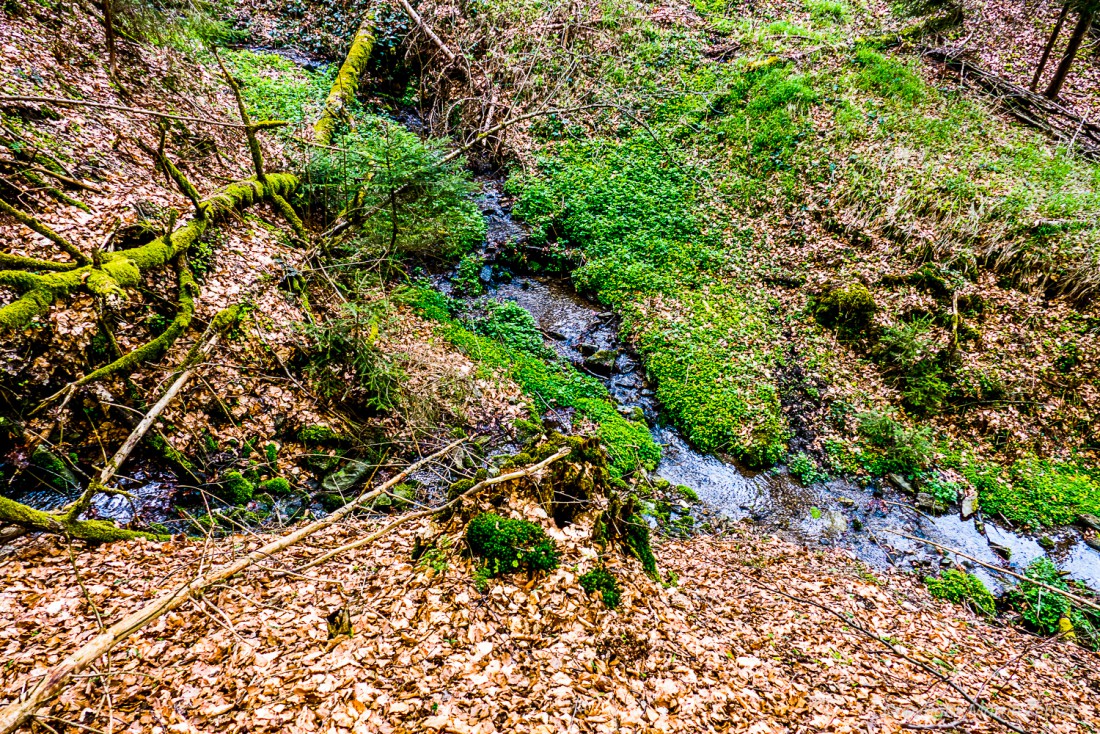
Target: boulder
{"points": [[901, 483], [1089, 521], [602, 362], [343, 480]]}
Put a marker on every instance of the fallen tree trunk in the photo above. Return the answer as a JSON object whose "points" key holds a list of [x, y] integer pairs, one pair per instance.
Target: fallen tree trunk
{"points": [[346, 83], [94, 531], [18, 713], [124, 269]]}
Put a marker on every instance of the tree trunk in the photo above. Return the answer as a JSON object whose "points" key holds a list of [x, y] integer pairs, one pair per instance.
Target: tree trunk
{"points": [[109, 27], [1084, 21], [1050, 46], [347, 82]]}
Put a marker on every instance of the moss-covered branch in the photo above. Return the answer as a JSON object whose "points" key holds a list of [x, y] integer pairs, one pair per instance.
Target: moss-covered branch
{"points": [[21, 262], [347, 82], [124, 269], [42, 229], [95, 531]]}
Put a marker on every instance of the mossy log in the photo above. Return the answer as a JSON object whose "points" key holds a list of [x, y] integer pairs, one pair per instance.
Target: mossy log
{"points": [[346, 84], [124, 269], [94, 531]]}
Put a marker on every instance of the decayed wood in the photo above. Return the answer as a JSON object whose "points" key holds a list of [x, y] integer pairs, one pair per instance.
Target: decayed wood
{"points": [[53, 682]]}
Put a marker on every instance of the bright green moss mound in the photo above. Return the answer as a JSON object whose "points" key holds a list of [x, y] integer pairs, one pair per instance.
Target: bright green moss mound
{"points": [[276, 486], [962, 588], [549, 384], [1041, 493], [235, 489], [511, 546], [601, 580]]}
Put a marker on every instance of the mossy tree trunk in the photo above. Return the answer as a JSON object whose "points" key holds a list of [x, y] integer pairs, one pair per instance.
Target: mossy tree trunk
{"points": [[344, 88]]}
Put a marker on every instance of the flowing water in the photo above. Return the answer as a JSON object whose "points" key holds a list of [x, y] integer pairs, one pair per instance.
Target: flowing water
{"points": [[836, 513]]}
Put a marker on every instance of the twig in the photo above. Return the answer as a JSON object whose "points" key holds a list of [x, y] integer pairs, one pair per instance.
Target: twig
{"points": [[1073, 597], [265, 124]]}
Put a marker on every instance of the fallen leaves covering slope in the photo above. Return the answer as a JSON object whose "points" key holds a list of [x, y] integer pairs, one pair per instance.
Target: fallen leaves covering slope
{"points": [[431, 653]]}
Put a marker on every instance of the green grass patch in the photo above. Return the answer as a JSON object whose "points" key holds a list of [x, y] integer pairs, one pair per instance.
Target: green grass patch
{"points": [[1041, 493]]}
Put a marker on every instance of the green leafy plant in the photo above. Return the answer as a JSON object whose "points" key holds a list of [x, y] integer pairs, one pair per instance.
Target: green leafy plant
{"points": [[513, 326], [1042, 609], [510, 546], [962, 588], [600, 579], [467, 278], [805, 469]]}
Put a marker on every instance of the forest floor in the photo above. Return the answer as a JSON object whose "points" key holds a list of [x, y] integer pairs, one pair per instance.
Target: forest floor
{"points": [[749, 640]]}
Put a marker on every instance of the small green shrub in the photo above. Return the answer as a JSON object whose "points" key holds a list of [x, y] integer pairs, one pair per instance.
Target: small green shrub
{"points": [[910, 352], [805, 469], [346, 363], [515, 327], [962, 588], [276, 486], [1042, 609], [943, 491], [849, 309], [235, 489], [601, 580], [511, 546], [899, 449], [467, 278]]}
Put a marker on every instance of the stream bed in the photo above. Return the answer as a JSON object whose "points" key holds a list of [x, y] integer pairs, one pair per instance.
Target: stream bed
{"points": [[836, 513]]}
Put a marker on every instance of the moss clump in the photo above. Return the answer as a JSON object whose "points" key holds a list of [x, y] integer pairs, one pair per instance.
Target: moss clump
{"points": [[276, 486], [459, 487], [521, 459], [601, 580], [52, 470], [962, 588], [510, 546], [235, 489], [847, 308], [637, 542], [687, 493], [398, 498], [318, 435]]}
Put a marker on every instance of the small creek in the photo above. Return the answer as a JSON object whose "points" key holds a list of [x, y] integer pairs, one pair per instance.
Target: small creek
{"points": [[836, 513]]}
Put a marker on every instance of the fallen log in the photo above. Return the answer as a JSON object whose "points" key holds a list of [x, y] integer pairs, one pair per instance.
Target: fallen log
{"points": [[346, 84], [53, 681]]}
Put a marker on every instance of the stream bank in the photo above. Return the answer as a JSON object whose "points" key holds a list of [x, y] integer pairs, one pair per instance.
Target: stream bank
{"points": [[866, 521]]}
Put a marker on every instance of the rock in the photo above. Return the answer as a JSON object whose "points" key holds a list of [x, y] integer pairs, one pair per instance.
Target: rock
{"points": [[1092, 540], [968, 505], [602, 362], [1003, 551], [846, 501], [857, 524], [901, 483], [344, 480], [587, 349], [486, 274], [1046, 543], [1089, 521], [928, 503], [555, 335]]}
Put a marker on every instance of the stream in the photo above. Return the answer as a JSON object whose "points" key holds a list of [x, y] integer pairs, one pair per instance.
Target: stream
{"points": [[836, 513]]}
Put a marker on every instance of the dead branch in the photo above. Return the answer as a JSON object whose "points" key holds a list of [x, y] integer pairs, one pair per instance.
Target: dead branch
{"points": [[15, 714], [1072, 597], [427, 30], [32, 223], [262, 125], [525, 472]]}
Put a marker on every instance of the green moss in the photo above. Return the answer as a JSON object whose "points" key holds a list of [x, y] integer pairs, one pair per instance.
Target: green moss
{"points": [[53, 470], [319, 435], [962, 588], [467, 279], [637, 542], [276, 487], [848, 308], [687, 493], [460, 487], [600, 579], [511, 546], [235, 489]]}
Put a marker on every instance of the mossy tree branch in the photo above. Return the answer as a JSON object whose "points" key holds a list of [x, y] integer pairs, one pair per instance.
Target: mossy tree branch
{"points": [[42, 229], [95, 531], [124, 268]]}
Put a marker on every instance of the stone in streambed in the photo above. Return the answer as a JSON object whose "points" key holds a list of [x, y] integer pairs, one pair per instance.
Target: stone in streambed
{"points": [[602, 362], [1089, 521]]}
